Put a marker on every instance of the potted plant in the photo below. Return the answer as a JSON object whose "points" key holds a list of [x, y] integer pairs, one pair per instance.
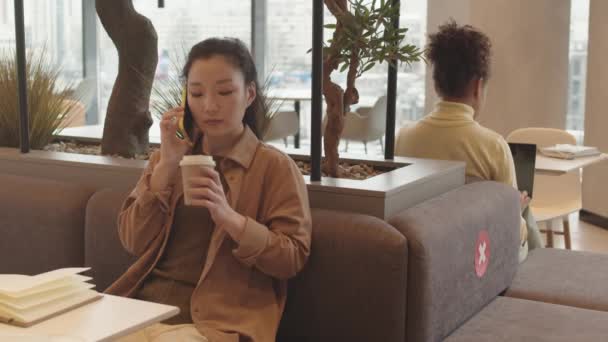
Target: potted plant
{"points": [[363, 37], [50, 105]]}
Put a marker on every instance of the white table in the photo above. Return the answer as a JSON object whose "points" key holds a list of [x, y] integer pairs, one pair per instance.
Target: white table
{"points": [[296, 96], [555, 166], [106, 319], [299, 95]]}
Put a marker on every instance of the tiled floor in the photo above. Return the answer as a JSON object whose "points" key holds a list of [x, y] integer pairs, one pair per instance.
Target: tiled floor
{"points": [[584, 236]]}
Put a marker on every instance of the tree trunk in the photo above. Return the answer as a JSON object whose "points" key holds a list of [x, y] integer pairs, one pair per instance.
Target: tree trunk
{"points": [[334, 96], [128, 116], [335, 124]]}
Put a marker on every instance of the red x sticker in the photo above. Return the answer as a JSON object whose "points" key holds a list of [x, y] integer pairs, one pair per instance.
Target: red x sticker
{"points": [[482, 253]]}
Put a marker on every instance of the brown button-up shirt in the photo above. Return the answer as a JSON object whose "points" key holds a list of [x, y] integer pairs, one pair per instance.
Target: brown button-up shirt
{"points": [[242, 290], [175, 276]]}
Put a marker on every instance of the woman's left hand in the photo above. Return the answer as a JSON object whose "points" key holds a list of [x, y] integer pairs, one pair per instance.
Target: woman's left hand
{"points": [[207, 192]]}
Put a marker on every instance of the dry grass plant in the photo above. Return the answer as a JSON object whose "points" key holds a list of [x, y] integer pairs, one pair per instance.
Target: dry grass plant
{"points": [[48, 103]]}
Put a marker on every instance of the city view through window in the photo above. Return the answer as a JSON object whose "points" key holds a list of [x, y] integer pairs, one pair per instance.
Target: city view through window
{"points": [[577, 77], [56, 27]]}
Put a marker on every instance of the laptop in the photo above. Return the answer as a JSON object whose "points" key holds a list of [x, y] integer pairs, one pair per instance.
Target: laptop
{"points": [[524, 157]]}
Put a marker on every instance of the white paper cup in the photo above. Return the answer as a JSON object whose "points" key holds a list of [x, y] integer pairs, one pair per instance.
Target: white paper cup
{"points": [[192, 167]]}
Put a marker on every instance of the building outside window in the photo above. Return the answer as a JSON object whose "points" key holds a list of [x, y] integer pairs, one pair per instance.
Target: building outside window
{"points": [[579, 32], [52, 27], [290, 37], [56, 27], [179, 25]]}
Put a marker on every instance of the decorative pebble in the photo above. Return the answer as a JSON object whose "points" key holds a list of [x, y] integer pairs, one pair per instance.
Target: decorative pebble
{"points": [[356, 171]]}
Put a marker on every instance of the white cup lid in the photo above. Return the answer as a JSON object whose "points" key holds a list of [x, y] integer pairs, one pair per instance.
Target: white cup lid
{"points": [[197, 160]]}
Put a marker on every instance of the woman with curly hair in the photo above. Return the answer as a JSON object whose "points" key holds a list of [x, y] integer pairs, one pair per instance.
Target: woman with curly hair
{"points": [[461, 58]]}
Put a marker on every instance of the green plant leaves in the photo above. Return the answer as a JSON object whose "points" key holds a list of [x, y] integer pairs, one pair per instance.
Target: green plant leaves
{"points": [[368, 34]]}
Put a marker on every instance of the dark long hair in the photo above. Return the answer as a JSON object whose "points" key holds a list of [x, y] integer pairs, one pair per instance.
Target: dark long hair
{"points": [[238, 55]]}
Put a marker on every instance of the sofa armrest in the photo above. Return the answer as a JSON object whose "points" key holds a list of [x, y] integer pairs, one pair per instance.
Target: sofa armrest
{"points": [[353, 286], [444, 288]]}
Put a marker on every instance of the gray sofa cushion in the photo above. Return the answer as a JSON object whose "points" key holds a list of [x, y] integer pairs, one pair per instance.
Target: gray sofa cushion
{"points": [[41, 224], [103, 251], [509, 319], [442, 233], [563, 277], [353, 287]]}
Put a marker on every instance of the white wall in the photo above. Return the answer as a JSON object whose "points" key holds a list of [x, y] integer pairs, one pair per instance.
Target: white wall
{"points": [[529, 82]]}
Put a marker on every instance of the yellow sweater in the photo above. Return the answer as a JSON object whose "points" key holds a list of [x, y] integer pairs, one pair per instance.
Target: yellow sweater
{"points": [[451, 133]]}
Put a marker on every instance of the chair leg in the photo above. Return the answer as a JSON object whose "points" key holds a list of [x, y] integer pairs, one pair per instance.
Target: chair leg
{"points": [[285, 142], [567, 240], [381, 144], [549, 234], [365, 145], [346, 148]]}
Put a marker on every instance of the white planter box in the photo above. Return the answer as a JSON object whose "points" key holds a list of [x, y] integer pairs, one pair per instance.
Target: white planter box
{"points": [[382, 196]]}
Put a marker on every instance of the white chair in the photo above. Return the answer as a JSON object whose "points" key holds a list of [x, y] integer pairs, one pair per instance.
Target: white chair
{"points": [[85, 92], [366, 124], [555, 197], [281, 126]]}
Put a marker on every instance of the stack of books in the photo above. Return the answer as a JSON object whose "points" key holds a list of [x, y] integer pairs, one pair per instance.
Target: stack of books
{"points": [[26, 300], [567, 151]]}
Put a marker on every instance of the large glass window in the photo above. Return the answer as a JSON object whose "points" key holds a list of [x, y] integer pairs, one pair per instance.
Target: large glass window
{"points": [[7, 25], [579, 32], [57, 27], [179, 25], [52, 28], [289, 39]]}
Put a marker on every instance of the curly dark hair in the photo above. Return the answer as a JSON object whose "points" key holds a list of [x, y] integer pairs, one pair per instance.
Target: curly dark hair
{"points": [[459, 54]]}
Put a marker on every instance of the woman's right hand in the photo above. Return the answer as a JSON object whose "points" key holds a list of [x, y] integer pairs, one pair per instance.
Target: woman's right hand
{"points": [[172, 148]]}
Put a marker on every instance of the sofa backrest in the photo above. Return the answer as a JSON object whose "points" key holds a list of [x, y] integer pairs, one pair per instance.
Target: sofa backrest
{"points": [[41, 224], [103, 250], [446, 282], [351, 289]]}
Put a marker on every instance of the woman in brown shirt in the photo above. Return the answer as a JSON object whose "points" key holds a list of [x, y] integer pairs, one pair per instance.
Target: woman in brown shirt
{"points": [[225, 259]]}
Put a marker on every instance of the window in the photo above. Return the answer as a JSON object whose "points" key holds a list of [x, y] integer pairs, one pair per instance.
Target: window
{"points": [[4, 12], [7, 25], [575, 105], [576, 62], [579, 31], [179, 25], [576, 87], [53, 28], [290, 37]]}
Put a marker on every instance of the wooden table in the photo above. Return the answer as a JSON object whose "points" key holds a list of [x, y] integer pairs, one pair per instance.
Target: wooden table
{"points": [[555, 166], [106, 319]]}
